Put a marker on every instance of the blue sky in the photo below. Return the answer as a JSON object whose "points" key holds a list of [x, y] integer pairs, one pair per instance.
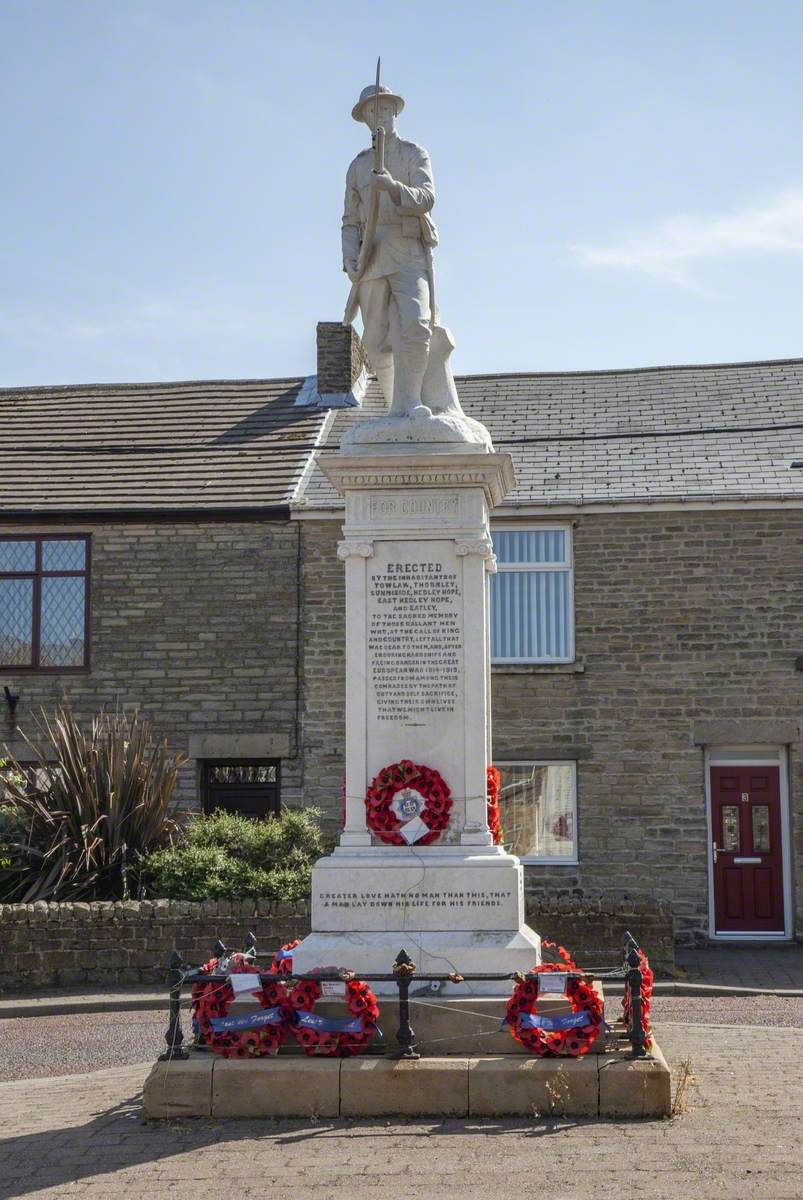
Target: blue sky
{"points": [[618, 183]]}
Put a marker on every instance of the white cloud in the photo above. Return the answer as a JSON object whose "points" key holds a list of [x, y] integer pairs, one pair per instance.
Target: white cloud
{"points": [[671, 249]]}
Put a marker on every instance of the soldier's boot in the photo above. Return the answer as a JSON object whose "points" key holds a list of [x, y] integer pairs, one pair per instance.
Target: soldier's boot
{"points": [[410, 367]]}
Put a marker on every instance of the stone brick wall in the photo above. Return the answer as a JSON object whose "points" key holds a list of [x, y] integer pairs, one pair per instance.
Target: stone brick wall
{"points": [[686, 623], [340, 357], [323, 671], [194, 623], [593, 929], [44, 946]]}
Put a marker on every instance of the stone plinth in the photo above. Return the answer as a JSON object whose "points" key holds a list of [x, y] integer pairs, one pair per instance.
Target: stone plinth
{"points": [[418, 557], [609, 1085]]}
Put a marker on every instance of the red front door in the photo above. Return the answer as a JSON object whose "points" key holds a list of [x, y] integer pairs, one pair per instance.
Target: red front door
{"points": [[746, 849]]}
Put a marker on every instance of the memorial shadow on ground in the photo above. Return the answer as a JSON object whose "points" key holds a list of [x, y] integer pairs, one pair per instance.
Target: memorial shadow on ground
{"points": [[118, 1138]]}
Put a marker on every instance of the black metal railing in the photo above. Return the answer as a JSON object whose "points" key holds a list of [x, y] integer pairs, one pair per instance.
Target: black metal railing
{"points": [[635, 1003], [404, 972]]}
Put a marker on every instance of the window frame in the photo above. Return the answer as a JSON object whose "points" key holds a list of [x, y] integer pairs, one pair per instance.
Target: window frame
{"points": [[534, 860], [567, 565], [37, 575]]}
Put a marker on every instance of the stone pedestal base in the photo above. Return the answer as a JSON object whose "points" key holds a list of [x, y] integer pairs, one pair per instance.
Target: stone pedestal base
{"points": [[438, 953], [451, 908]]}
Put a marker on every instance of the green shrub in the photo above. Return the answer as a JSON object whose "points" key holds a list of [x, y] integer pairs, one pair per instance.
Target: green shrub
{"points": [[91, 804], [226, 856]]}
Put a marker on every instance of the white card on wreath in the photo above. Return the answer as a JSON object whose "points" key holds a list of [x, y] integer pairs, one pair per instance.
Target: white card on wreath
{"points": [[244, 982], [334, 988], [414, 830], [552, 983]]}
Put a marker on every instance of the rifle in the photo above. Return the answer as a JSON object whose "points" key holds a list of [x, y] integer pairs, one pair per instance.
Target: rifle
{"points": [[367, 247]]}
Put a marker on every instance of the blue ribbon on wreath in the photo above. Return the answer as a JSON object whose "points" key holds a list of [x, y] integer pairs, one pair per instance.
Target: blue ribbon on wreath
{"points": [[254, 1020], [321, 1024], [555, 1024]]}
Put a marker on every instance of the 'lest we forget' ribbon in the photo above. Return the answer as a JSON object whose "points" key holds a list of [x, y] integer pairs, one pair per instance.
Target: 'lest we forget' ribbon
{"points": [[273, 1016], [553, 1024], [255, 1020]]}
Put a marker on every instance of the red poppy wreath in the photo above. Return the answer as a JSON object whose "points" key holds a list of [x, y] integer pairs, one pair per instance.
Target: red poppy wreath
{"points": [[408, 803], [572, 1034], [334, 1037], [228, 1035]]}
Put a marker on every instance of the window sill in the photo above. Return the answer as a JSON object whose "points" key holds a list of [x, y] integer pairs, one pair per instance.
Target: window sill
{"points": [[573, 668], [549, 862]]}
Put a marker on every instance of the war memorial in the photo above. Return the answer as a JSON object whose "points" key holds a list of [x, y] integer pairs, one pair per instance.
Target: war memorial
{"points": [[418, 913]]}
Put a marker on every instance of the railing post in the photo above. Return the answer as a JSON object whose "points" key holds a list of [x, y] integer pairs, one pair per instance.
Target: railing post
{"points": [[404, 969], [174, 1036], [634, 982]]}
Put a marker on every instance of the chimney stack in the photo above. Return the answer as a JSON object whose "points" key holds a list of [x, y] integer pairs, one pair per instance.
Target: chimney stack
{"points": [[340, 358]]}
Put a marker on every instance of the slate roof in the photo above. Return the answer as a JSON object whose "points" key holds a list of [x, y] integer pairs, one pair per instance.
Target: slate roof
{"points": [[721, 432], [154, 446]]}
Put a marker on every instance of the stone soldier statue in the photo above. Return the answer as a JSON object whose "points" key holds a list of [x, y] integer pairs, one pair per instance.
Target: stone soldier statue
{"points": [[388, 237], [395, 288]]}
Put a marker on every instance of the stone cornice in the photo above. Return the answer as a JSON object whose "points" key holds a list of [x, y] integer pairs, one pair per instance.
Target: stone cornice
{"points": [[492, 472]]}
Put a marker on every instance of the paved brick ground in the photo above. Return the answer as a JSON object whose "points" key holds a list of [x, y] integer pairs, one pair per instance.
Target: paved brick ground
{"points": [[81, 1136], [744, 966]]}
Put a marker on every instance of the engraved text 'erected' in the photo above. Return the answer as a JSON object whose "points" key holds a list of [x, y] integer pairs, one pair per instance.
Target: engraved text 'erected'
{"points": [[415, 640]]}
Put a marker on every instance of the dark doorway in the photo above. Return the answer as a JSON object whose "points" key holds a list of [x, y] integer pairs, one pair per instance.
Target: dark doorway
{"points": [[247, 786]]}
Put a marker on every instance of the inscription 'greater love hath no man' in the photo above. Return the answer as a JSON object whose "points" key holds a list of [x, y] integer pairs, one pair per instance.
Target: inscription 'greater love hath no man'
{"points": [[415, 640]]}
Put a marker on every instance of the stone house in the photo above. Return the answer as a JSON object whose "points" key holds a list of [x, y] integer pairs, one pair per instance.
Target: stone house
{"points": [[170, 506], [647, 647]]}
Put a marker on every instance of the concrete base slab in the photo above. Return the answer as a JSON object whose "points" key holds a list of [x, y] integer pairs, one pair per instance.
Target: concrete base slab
{"points": [[609, 1085]]}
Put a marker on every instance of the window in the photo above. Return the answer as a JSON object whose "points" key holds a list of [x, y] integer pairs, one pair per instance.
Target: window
{"points": [[538, 810], [532, 603], [44, 603], [247, 787]]}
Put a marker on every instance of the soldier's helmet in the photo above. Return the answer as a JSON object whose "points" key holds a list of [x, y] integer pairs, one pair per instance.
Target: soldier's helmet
{"points": [[368, 93]]}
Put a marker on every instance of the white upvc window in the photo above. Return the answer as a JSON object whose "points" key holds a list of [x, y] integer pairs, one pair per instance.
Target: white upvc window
{"points": [[532, 595], [538, 811]]}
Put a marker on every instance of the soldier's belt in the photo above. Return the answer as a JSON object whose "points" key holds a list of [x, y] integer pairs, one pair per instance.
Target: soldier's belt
{"points": [[409, 226]]}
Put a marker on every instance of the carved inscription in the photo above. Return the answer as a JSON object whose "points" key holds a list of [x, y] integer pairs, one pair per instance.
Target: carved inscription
{"points": [[414, 505], [461, 901], [415, 639]]}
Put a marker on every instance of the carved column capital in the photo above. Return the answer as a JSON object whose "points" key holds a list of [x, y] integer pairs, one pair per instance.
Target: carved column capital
{"points": [[482, 546], [351, 547]]}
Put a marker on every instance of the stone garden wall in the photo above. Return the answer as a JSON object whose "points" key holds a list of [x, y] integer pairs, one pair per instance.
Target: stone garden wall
{"points": [[45, 946], [50, 946], [592, 930]]}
